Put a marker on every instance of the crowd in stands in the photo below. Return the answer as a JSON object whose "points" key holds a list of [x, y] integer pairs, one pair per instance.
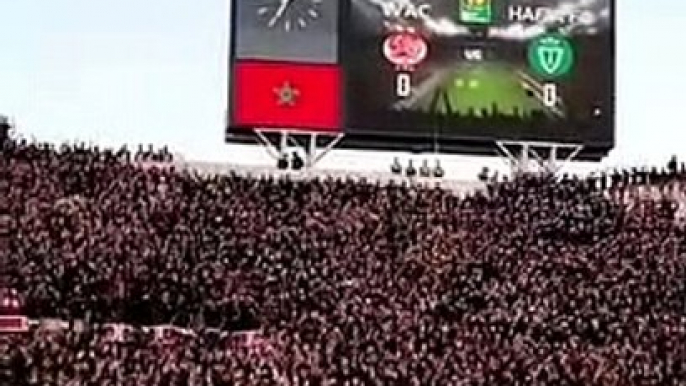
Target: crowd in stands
{"points": [[536, 281]]}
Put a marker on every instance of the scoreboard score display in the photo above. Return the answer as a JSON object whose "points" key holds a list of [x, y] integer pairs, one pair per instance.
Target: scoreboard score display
{"points": [[535, 70]]}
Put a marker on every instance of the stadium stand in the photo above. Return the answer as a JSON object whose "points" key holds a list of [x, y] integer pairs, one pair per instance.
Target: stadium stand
{"points": [[162, 275]]}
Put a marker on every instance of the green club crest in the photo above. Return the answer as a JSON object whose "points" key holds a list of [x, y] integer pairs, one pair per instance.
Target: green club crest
{"points": [[551, 56]]}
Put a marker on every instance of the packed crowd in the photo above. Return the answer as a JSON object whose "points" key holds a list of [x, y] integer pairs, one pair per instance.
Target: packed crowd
{"points": [[107, 355], [531, 282]]}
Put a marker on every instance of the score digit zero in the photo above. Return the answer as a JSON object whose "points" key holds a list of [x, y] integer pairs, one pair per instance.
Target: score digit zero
{"points": [[550, 95], [403, 85]]}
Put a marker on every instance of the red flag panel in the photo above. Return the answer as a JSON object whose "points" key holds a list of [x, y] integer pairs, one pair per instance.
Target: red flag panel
{"points": [[287, 95]]}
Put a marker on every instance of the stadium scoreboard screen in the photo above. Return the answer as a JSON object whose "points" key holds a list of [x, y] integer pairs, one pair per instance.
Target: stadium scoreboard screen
{"points": [[406, 71]]}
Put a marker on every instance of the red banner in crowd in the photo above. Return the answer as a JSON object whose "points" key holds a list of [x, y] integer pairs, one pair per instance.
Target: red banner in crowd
{"points": [[13, 324]]}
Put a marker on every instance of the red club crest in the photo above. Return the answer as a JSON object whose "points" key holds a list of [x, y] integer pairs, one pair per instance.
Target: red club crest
{"points": [[405, 49]]}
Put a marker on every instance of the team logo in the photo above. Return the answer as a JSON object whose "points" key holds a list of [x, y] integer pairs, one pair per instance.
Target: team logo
{"points": [[551, 56], [476, 11], [405, 49]]}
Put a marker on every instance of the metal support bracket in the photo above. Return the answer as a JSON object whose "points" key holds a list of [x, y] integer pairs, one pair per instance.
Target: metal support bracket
{"points": [[308, 142], [533, 157]]}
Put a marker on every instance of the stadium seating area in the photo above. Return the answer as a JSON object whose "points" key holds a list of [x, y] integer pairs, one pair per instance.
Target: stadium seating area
{"points": [[277, 281]]}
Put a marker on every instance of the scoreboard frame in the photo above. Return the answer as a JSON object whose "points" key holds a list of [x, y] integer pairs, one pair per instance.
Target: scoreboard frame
{"points": [[424, 141]]}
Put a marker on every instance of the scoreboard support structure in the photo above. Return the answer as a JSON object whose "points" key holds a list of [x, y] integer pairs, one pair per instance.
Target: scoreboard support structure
{"points": [[277, 142], [531, 157]]}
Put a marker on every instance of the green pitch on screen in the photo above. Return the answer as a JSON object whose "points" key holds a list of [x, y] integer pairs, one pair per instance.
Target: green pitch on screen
{"points": [[476, 11], [478, 88]]}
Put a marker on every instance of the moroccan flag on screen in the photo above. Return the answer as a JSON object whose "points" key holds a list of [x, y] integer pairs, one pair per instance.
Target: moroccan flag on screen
{"points": [[287, 95]]}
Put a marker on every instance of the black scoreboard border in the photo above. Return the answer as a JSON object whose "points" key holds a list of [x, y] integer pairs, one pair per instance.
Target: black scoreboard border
{"points": [[453, 144]]}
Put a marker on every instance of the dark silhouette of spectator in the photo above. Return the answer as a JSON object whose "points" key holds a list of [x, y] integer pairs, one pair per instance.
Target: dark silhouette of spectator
{"points": [[438, 170], [5, 128], [484, 174], [410, 171], [282, 281], [425, 170], [297, 163], [673, 165], [396, 167]]}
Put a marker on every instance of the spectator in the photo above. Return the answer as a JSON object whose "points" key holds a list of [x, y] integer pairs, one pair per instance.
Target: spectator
{"points": [[532, 282]]}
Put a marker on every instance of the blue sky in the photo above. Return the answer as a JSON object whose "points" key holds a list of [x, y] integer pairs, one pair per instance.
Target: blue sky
{"points": [[125, 71]]}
